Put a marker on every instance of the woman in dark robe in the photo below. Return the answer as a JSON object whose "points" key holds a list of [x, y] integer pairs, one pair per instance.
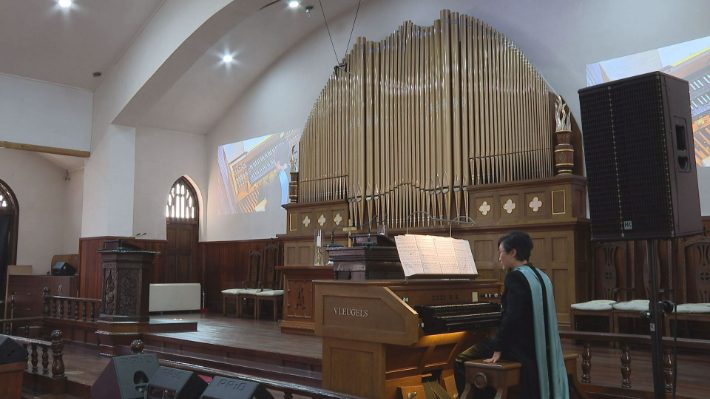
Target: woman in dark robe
{"points": [[515, 339]]}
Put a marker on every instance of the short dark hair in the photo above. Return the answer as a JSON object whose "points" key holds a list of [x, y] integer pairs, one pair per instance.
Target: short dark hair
{"points": [[518, 241]]}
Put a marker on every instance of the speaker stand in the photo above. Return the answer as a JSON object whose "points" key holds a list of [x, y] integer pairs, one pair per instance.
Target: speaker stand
{"points": [[659, 389]]}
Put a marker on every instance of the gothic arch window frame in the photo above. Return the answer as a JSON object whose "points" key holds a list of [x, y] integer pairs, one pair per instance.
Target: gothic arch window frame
{"points": [[174, 194], [11, 208]]}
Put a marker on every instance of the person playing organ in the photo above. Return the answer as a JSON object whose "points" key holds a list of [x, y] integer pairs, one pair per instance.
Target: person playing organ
{"points": [[528, 330]]}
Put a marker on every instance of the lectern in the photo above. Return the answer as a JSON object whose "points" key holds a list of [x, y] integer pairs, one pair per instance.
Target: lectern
{"points": [[125, 286]]}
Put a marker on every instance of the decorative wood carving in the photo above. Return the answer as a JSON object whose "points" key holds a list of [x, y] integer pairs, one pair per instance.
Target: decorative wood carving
{"points": [[696, 258], [127, 277]]}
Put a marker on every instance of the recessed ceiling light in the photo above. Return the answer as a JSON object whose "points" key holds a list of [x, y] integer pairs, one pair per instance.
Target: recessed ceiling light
{"points": [[293, 4], [227, 58], [65, 3]]}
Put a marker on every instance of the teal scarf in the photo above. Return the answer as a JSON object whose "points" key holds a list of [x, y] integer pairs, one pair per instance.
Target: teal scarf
{"points": [[555, 364]]}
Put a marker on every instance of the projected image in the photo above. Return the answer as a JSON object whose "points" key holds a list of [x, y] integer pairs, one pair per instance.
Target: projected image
{"points": [[255, 173], [689, 61]]}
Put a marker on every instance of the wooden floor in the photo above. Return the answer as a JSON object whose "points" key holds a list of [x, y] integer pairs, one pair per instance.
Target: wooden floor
{"points": [[259, 335], [83, 365]]}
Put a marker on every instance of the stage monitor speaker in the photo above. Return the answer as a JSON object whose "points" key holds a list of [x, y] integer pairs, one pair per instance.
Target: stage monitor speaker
{"points": [[175, 384], [11, 351], [63, 269], [125, 377], [640, 157], [228, 388]]}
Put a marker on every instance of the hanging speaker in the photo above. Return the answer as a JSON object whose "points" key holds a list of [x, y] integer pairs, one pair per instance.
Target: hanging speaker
{"points": [[125, 377], [639, 152], [172, 383], [229, 388]]}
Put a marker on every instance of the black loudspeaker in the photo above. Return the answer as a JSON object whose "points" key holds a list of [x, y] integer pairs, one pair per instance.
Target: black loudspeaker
{"points": [[125, 377], [174, 384], [11, 351], [228, 388], [640, 158], [63, 269]]}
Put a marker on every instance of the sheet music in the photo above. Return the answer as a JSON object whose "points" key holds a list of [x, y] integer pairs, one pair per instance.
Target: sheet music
{"points": [[464, 257], [447, 256], [427, 250], [434, 255], [409, 255]]}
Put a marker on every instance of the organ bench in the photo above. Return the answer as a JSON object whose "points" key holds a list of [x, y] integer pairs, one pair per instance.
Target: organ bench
{"points": [[505, 374]]}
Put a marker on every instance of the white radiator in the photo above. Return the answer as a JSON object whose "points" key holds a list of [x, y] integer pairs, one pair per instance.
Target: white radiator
{"points": [[174, 297]]}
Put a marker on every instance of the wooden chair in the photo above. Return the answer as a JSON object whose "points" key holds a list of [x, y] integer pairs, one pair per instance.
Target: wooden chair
{"points": [[609, 267], [695, 267], [250, 286], [271, 282], [505, 374], [253, 283], [633, 308]]}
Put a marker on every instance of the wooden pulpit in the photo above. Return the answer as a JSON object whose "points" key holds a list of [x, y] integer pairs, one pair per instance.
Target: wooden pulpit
{"points": [[123, 316]]}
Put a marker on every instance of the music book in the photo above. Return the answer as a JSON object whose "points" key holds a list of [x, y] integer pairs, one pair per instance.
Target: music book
{"points": [[434, 255]]}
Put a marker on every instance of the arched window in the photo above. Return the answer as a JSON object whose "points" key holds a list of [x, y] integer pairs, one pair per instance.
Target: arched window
{"points": [[182, 203], [9, 217]]}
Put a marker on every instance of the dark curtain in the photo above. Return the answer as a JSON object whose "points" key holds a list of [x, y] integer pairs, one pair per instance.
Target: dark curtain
{"points": [[5, 226]]}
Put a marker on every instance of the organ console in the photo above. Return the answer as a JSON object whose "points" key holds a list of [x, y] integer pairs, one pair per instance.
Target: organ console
{"points": [[390, 338]]}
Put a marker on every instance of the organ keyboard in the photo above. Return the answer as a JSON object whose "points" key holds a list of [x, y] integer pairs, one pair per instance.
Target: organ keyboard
{"points": [[461, 317], [389, 338]]}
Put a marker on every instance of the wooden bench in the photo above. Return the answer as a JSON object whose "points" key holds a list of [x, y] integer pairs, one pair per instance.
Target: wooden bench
{"points": [[505, 374]]}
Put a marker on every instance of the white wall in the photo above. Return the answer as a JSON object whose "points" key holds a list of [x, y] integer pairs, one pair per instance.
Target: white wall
{"points": [[73, 203], [175, 37], [109, 183], [163, 156], [40, 190], [39, 113], [559, 37]]}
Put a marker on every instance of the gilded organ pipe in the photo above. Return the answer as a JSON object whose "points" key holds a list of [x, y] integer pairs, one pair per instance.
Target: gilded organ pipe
{"points": [[413, 121]]}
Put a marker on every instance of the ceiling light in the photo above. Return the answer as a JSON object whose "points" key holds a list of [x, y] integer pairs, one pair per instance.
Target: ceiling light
{"points": [[293, 4], [227, 58], [65, 3]]}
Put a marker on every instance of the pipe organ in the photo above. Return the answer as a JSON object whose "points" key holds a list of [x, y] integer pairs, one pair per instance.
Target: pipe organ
{"points": [[412, 122]]}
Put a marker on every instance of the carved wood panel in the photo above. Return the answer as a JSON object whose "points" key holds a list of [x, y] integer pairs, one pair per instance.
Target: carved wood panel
{"points": [[697, 262], [299, 298]]}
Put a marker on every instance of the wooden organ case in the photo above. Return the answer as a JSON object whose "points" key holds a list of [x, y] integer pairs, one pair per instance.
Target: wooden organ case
{"points": [[376, 345]]}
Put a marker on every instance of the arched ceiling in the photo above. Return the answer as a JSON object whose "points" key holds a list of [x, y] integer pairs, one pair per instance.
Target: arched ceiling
{"points": [[209, 88], [560, 38]]}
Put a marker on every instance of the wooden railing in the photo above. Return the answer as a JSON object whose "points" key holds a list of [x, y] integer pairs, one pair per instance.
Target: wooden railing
{"points": [[54, 306], [288, 389], [626, 340], [8, 325], [57, 348]]}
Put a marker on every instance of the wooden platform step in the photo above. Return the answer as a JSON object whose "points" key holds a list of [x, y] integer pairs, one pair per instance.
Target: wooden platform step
{"points": [[255, 368], [261, 356]]}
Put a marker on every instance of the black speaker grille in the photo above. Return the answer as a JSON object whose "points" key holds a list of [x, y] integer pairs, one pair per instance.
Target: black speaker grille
{"points": [[627, 159], [601, 170], [642, 156]]}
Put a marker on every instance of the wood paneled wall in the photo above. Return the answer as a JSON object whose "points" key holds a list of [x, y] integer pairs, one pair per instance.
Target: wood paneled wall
{"points": [[224, 266], [90, 262]]}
